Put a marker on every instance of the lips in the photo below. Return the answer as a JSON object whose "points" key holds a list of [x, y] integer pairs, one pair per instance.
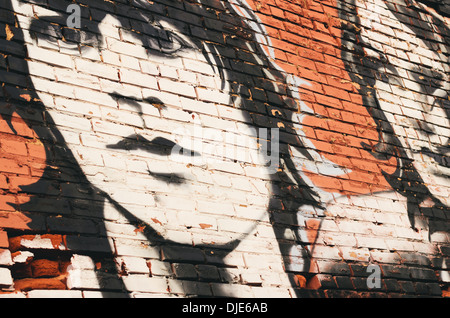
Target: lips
{"points": [[159, 145]]}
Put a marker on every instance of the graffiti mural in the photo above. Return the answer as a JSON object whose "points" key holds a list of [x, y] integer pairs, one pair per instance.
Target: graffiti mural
{"points": [[238, 148]]}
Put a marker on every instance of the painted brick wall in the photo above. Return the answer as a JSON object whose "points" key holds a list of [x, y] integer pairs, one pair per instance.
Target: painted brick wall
{"points": [[240, 148]]}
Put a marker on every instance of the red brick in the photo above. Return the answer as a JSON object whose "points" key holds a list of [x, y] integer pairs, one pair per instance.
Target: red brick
{"points": [[11, 165], [56, 240], [3, 182], [325, 182], [335, 61], [45, 268], [314, 283], [301, 61], [14, 220], [4, 239], [288, 6], [288, 47], [311, 75], [341, 127], [294, 38], [276, 12], [329, 101], [36, 150], [39, 283], [336, 92], [300, 281], [13, 147], [290, 68]]}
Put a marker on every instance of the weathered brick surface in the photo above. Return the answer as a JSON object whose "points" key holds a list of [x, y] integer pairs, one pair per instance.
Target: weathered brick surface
{"points": [[95, 202]]}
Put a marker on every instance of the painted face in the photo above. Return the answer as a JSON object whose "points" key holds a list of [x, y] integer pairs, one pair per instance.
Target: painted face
{"points": [[150, 119], [418, 74]]}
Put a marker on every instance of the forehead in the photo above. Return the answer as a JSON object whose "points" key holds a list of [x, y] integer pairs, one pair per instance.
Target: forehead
{"points": [[134, 9], [140, 16]]}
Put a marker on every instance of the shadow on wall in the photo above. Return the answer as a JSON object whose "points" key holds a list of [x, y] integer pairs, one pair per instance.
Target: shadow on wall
{"points": [[260, 83]]}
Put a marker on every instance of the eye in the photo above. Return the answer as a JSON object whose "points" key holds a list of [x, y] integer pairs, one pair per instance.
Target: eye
{"points": [[173, 44], [80, 37], [45, 30], [53, 32], [165, 41]]}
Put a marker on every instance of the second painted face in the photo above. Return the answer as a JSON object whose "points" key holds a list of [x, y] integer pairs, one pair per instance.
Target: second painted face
{"points": [[412, 85]]}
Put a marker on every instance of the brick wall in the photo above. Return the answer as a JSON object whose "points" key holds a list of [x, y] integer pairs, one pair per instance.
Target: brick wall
{"points": [[275, 148]]}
